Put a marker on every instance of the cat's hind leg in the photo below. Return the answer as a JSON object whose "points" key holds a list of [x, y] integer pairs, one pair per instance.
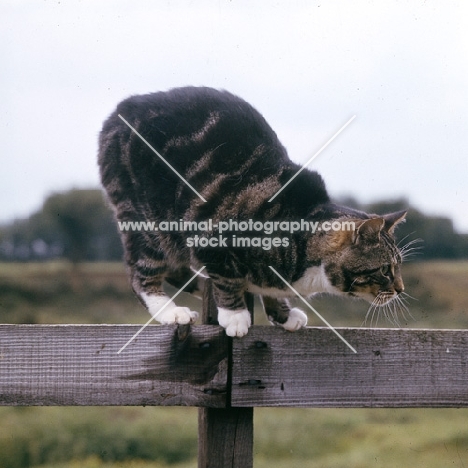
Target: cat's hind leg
{"points": [[165, 311], [280, 313], [148, 271]]}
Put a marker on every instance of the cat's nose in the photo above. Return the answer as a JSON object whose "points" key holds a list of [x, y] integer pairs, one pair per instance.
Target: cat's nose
{"points": [[398, 285]]}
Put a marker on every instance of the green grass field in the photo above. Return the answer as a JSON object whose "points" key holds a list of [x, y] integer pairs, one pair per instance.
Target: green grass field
{"points": [[134, 437]]}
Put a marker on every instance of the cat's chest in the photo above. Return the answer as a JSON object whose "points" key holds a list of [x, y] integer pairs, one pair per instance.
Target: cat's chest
{"points": [[313, 281]]}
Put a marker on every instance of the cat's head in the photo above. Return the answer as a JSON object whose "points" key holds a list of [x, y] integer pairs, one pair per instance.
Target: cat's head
{"points": [[365, 262]]}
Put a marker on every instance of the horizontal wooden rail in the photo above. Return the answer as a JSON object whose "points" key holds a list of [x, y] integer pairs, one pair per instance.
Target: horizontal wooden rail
{"points": [[79, 365], [313, 367]]}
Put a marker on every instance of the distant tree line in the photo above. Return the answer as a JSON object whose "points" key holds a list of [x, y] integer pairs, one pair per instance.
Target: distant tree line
{"points": [[76, 225], [79, 226]]}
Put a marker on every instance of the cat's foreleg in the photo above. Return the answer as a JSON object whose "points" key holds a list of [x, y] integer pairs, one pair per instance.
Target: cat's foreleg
{"points": [[148, 286], [233, 315], [235, 322], [280, 313]]}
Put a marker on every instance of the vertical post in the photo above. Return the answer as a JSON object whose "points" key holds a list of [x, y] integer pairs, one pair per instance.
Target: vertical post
{"points": [[225, 436]]}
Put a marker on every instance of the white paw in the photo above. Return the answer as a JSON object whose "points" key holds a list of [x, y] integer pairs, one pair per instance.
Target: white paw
{"points": [[182, 315], [296, 320], [166, 312], [236, 322]]}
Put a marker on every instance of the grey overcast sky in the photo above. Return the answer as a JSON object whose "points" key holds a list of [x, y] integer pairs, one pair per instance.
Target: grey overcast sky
{"points": [[400, 66]]}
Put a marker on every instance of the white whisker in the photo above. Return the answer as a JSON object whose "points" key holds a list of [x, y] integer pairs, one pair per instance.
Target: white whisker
{"points": [[410, 249], [407, 235], [406, 296], [412, 242], [403, 307], [404, 303], [372, 308], [394, 309]]}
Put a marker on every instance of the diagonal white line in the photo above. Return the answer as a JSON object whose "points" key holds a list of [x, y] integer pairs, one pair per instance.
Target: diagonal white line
{"points": [[312, 158], [160, 310], [162, 159], [312, 309]]}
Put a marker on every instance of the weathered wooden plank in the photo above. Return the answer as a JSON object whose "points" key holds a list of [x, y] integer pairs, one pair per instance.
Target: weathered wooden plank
{"points": [[225, 438], [79, 365], [312, 367]]}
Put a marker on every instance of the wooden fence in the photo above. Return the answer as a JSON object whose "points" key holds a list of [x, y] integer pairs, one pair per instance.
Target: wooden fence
{"points": [[226, 378]]}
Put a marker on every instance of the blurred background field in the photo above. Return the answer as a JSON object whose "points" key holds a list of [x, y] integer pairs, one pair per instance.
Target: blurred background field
{"points": [[61, 292], [63, 264], [134, 437]]}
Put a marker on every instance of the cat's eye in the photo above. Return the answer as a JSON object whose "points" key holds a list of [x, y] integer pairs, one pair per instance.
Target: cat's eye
{"points": [[385, 270], [362, 281]]}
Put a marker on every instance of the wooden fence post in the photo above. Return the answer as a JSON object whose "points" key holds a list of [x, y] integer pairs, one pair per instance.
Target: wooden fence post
{"points": [[225, 435]]}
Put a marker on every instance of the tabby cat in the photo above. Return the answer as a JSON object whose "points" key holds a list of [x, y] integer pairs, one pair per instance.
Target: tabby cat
{"points": [[226, 163]]}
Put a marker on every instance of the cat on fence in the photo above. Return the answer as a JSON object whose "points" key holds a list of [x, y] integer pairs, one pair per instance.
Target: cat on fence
{"points": [[205, 159]]}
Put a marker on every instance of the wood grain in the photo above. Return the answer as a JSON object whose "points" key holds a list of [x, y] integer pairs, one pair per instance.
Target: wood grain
{"points": [[313, 367], [79, 365], [225, 436]]}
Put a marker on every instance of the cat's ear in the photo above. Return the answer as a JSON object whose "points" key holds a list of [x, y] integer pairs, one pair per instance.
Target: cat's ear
{"points": [[369, 230], [393, 219]]}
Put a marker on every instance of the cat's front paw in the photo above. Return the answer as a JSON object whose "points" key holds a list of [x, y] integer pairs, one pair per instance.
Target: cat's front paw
{"points": [[181, 315], [235, 322], [296, 320], [166, 312]]}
